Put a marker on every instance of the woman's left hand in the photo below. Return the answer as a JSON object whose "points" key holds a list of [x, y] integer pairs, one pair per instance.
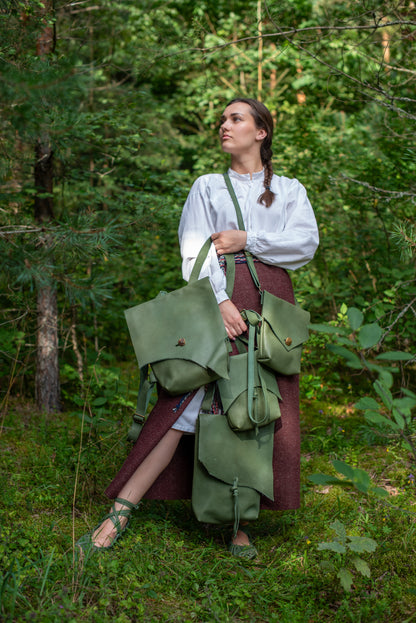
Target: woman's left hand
{"points": [[233, 322], [229, 241]]}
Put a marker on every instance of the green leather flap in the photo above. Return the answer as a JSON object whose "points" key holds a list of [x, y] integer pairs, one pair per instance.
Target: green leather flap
{"points": [[237, 383], [289, 323], [183, 324], [227, 455]]}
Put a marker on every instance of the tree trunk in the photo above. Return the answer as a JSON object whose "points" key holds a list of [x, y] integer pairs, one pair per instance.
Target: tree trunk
{"points": [[47, 366], [47, 370], [43, 179]]}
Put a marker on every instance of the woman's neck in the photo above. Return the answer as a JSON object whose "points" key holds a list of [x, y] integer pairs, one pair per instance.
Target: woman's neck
{"points": [[246, 165]]}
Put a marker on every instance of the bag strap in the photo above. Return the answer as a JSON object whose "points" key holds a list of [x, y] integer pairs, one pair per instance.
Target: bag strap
{"points": [[146, 387], [240, 221], [202, 256], [254, 320]]}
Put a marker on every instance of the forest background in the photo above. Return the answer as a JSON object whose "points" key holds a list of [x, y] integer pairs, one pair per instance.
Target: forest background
{"points": [[109, 111]]}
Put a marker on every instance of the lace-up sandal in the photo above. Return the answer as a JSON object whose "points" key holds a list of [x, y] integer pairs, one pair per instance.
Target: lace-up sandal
{"points": [[86, 543], [246, 552]]}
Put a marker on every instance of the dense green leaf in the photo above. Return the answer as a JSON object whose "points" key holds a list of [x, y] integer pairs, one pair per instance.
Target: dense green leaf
{"points": [[355, 318], [333, 546], [395, 356], [384, 393], [324, 479], [345, 578], [325, 328], [352, 359], [361, 544], [367, 403], [339, 529], [398, 416], [369, 335], [362, 567], [381, 420]]}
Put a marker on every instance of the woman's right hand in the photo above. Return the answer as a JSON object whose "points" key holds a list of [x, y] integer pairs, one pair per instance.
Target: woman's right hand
{"points": [[233, 322]]}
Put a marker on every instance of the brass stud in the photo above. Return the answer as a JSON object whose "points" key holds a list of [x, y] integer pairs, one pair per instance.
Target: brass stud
{"points": [[181, 342], [288, 341]]}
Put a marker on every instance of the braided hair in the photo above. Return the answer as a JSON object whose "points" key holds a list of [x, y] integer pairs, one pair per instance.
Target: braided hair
{"points": [[263, 121]]}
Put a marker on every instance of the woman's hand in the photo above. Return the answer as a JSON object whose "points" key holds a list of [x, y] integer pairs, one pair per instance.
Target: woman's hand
{"points": [[229, 241], [233, 322]]}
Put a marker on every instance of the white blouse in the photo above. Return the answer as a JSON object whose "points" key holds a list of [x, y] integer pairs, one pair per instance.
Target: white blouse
{"points": [[285, 234]]}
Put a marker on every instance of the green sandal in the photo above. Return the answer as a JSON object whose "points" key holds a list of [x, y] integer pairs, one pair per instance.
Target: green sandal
{"points": [[246, 552], [86, 544]]}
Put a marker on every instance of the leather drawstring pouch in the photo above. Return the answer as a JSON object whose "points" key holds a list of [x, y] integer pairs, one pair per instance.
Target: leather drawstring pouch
{"points": [[284, 327], [231, 470], [250, 397], [181, 335]]}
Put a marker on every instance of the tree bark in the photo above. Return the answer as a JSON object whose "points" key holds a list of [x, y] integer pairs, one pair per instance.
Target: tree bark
{"points": [[47, 386], [47, 369], [43, 179]]}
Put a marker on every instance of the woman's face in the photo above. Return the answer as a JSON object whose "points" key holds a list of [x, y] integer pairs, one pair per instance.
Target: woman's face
{"points": [[238, 131]]}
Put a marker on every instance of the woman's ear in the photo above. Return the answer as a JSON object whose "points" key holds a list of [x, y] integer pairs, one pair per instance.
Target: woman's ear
{"points": [[261, 134]]}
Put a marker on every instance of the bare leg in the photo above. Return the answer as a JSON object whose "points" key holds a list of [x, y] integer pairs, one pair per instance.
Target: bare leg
{"points": [[241, 538], [142, 479]]}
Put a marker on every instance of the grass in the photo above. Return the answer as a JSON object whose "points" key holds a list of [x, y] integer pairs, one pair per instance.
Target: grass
{"points": [[168, 567]]}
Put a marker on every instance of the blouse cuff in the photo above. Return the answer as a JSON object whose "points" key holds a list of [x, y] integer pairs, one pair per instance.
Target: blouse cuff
{"points": [[251, 242], [221, 296]]}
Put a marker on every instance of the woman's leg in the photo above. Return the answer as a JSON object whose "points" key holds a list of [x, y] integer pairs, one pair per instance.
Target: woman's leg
{"points": [[241, 538], [142, 479]]}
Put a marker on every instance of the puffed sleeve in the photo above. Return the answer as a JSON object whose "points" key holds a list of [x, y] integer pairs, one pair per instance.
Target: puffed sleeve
{"points": [[195, 226], [295, 243]]}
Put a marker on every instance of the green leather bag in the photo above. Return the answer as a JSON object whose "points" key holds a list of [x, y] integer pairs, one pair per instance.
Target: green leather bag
{"points": [[247, 409], [284, 330], [250, 397], [284, 327], [230, 471], [181, 335]]}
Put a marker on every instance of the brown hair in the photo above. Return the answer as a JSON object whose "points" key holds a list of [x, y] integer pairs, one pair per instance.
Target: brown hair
{"points": [[263, 121]]}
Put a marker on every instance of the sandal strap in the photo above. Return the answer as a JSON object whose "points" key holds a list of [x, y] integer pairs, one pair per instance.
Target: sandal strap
{"points": [[127, 503], [114, 514]]}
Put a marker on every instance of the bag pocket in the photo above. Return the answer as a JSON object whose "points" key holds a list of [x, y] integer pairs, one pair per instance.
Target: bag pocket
{"points": [[284, 329]]}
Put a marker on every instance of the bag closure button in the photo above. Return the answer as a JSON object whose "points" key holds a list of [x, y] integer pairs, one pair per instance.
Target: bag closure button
{"points": [[288, 341]]}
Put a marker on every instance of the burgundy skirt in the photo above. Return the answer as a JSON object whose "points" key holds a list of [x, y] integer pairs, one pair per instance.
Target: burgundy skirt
{"points": [[175, 482]]}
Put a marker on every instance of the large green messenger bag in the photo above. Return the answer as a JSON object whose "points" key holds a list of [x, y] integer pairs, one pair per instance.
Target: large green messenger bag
{"points": [[181, 334]]}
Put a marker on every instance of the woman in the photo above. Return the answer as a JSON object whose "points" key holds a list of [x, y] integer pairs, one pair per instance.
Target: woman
{"points": [[281, 233]]}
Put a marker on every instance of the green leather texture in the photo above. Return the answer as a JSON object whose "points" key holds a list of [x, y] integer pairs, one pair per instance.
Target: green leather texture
{"points": [[234, 395], [284, 328], [182, 336], [230, 471]]}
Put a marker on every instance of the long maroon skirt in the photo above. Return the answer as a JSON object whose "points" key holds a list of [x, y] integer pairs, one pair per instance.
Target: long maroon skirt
{"points": [[175, 482]]}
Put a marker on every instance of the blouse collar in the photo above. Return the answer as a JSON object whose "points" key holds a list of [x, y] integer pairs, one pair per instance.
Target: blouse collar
{"points": [[245, 177]]}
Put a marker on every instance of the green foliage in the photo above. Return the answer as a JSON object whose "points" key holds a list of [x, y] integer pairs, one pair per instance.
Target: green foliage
{"points": [[343, 546], [404, 235], [393, 416], [354, 477]]}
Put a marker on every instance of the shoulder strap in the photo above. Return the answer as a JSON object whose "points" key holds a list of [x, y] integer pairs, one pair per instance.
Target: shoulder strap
{"points": [[147, 385], [240, 221], [235, 202], [202, 256]]}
